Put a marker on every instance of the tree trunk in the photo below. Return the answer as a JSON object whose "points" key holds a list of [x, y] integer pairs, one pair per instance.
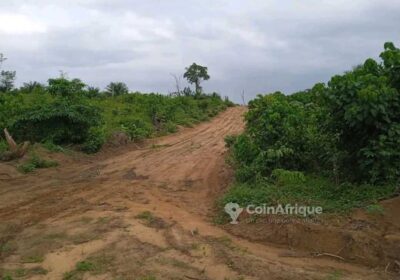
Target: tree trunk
{"points": [[16, 151]]}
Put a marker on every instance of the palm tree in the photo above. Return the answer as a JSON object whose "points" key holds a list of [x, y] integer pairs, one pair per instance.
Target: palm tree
{"points": [[117, 88], [31, 86]]}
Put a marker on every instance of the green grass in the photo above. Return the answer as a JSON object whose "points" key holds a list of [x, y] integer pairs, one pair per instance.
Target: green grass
{"points": [[85, 266], [310, 191], [336, 275], [3, 146], [50, 146], [94, 265], [375, 209], [32, 259], [24, 273], [146, 215], [35, 162]]}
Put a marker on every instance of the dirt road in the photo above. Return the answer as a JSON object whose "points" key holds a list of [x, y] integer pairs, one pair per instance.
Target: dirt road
{"points": [[141, 213]]}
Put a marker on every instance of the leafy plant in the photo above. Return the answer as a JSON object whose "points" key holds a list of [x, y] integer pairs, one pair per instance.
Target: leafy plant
{"points": [[60, 121], [64, 87], [36, 162], [94, 141]]}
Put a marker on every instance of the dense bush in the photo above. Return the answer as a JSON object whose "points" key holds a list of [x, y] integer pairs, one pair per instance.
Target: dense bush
{"points": [[349, 128], [345, 131], [68, 112], [364, 106], [59, 121]]}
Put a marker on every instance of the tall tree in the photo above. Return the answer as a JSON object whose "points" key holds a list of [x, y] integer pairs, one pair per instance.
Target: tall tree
{"points": [[195, 74]]}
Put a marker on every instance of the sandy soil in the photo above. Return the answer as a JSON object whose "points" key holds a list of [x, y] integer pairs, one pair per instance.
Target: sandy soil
{"points": [[146, 213]]}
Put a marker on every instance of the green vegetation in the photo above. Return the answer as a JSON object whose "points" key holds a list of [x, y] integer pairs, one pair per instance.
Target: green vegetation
{"points": [[375, 209], [194, 74], [35, 162], [335, 145], [68, 112], [95, 265], [23, 273], [145, 215], [32, 259]]}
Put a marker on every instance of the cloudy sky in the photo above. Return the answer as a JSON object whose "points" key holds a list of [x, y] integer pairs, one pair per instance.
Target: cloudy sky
{"points": [[257, 46]]}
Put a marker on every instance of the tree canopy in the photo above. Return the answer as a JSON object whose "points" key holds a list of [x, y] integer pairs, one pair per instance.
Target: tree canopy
{"points": [[195, 74]]}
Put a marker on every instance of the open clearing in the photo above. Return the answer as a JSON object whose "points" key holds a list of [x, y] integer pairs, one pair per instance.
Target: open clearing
{"points": [[147, 213]]}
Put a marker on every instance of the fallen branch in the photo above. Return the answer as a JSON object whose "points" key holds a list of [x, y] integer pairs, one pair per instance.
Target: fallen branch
{"points": [[11, 143], [329, 255], [15, 151], [387, 267]]}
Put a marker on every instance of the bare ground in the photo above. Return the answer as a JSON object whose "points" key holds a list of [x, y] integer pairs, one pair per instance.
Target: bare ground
{"points": [[146, 213]]}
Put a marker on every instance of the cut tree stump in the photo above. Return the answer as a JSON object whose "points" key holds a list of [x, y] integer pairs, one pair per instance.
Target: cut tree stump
{"points": [[16, 151]]}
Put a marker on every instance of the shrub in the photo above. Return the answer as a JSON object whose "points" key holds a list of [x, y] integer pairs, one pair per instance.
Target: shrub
{"points": [[49, 145], [137, 129], [170, 127], [36, 162], [94, 140], [61, 122], [64, 87], [285, 177], [364, 105]]}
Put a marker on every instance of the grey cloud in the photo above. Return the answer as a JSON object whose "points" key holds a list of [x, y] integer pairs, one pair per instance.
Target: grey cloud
{"points": [[257, 46]]}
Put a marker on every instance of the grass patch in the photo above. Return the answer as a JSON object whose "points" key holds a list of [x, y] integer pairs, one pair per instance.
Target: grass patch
{"points": [[151, 220], [36, 162], [310, 190], [23, 272], [375, 209], [83, 237], [146, 215], [95, 265], [85, 266], [32, 259], [50, 146], [336, 275], [103, 220], [7, 248]]}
